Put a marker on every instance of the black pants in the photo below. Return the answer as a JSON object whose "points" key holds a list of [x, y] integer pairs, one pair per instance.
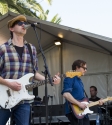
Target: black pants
{"points": [[74, 121]]}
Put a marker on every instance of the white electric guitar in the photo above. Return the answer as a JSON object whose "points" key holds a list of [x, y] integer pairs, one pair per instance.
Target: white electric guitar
{"points": [[9, 98]]}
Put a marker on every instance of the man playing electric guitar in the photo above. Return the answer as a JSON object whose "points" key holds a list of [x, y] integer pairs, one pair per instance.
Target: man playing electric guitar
{"points": [[73, 91], [15, 62]]}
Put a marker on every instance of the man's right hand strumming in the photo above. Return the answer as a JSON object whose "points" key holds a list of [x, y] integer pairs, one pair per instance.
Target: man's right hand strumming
{"points": [[15, 86], [82, 105]]}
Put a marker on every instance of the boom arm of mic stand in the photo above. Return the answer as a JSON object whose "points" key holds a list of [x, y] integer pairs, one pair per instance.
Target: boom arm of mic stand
{"points": [[46, 67]]}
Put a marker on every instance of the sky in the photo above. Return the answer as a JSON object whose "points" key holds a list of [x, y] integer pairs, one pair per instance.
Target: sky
{"points": [[94, 16]]}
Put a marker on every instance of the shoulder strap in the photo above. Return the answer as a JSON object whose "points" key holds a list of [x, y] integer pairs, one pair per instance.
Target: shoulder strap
{"points": [[31, 55], [85, 94]]}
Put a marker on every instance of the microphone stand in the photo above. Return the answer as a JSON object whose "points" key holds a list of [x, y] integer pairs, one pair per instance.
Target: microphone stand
{"points": [[46, 73], [50, 112]]}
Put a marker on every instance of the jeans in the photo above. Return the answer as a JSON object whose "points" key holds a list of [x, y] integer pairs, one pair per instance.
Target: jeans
{"points": [[74, 121], [21, 114]]}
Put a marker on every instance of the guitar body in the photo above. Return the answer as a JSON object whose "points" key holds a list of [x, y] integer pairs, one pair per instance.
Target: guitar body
{"points": [[9, 98], [78, 112]]}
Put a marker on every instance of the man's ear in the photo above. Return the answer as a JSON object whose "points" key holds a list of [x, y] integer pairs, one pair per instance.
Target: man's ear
{"points": [[11, 29], [77, 67]]}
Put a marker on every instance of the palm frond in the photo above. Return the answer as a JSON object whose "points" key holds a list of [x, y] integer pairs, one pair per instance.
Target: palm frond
{"points": [[27, 7], [17, 8], [3, 7], [56, 19], [32, 5], [46, 15], [13, 10], [24, 4], [49, 2], [38, 7]]}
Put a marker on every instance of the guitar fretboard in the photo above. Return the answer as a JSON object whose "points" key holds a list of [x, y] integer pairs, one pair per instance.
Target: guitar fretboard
{"points": [[36, 83], [97, 102]]}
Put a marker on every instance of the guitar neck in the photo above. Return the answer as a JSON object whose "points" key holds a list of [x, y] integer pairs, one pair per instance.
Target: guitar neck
{"points": [[35, 84], [96, 103], [39, 83]]}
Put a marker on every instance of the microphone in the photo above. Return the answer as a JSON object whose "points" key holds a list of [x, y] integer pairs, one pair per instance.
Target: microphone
{"points": [[26, 26]]}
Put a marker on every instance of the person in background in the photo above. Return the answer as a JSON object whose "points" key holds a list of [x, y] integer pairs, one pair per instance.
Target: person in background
{"points": [[93, 94], [94, 98]]}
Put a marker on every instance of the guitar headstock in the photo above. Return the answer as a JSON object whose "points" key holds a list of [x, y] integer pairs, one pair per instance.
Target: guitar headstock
{"points": [[71, 74]]}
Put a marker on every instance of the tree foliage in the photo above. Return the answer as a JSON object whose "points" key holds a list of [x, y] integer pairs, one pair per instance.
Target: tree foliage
{"points": [[27, 7]]}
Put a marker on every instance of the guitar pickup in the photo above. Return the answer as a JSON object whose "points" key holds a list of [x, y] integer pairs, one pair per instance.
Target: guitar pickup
{"points": [[8, 92]]}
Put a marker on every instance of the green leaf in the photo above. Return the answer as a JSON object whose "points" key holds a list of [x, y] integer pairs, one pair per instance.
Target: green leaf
{"points": [[56, 19], [3, 7]]}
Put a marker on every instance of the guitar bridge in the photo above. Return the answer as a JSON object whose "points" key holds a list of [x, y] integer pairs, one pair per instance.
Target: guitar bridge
{"points": [[6, 103]]}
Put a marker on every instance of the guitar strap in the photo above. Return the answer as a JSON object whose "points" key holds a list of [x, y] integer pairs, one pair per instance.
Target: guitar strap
{"points": [[31, 55], [85, 94]]}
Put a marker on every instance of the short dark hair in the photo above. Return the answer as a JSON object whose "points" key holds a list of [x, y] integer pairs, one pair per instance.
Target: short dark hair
{"points": [[11, 34], [78, 63], [94, 87]]}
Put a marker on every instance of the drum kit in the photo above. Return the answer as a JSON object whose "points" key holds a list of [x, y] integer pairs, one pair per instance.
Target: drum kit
{"points": [[105, 113]]}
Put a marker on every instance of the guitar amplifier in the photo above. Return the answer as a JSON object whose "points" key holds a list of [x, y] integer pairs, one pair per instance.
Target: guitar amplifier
{"points": [[93, 116], [53, 110]]}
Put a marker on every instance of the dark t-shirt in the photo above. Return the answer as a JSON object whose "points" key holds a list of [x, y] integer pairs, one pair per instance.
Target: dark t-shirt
{"points": [[94, 108], [93, 100], [19, 50]]}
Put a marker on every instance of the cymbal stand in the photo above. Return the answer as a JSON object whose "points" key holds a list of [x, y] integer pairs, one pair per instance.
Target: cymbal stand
{"points": [[107, 115], [50, 111]]}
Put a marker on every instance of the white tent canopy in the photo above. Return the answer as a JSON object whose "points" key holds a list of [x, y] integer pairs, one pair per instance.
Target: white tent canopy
{"points": [[76, 44]]}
